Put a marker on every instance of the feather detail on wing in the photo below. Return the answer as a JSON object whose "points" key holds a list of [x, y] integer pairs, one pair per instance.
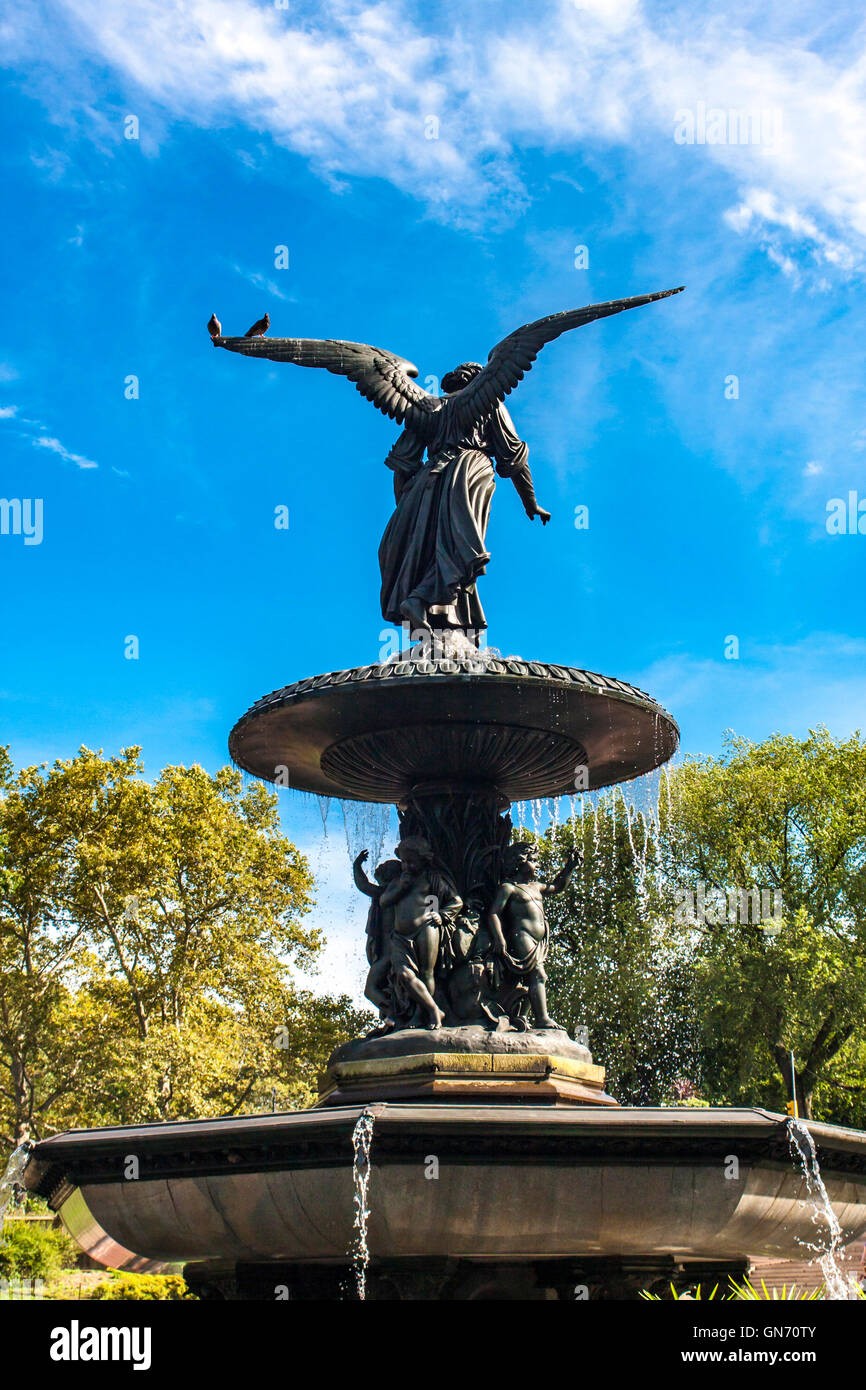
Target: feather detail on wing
{"points": [[380, 376], [511, 359]]}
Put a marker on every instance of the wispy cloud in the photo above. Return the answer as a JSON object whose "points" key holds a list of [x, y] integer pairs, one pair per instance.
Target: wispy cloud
{"points": [[36, 432], [782, 230], [263, 283], [50, 442], [443, 111], [818, 680]]}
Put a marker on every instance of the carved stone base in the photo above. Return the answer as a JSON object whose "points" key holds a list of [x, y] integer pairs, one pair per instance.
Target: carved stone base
{"points": [[503, 1040], [468, 1076], [470, 1063]]}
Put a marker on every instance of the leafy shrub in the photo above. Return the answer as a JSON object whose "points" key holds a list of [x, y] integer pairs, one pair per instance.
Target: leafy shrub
{"points": [[34, 1250], [748, 1292], [143, 1286]]}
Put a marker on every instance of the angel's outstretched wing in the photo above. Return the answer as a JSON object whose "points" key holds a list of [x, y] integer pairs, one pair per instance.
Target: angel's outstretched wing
{"points": [[512, 358], [381, 376]]}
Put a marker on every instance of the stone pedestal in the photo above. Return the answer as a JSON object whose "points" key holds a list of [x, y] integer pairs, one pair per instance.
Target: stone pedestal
{"points": [[465, 1064]]}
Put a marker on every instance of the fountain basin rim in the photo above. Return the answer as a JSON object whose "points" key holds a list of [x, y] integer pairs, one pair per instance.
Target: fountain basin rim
{"points": [[294, 735], [88, 1156]]}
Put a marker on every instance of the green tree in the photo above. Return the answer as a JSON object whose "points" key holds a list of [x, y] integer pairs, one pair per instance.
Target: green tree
{"points": [[786, 816], [617, 963], [44, 1036], [149, 934]]}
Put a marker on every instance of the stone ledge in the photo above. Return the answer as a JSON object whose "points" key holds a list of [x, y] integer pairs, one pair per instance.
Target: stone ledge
{"points": [[504, 1077], [470, 1063]]}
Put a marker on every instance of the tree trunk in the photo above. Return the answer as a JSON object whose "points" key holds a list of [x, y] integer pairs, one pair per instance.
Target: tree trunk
{"points": [[21, 1102]]}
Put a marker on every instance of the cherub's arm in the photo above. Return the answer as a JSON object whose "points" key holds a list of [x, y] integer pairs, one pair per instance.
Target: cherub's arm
{"points": [[561, 880], [450, 904], [396, 890], [494, 919], [362, 882]]}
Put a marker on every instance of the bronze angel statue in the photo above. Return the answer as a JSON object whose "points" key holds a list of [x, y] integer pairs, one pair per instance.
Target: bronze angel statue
{"points": [[433, 549]]}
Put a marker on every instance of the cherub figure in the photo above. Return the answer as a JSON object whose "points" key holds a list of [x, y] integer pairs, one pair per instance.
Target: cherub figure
{"points": [[518, 924], [380, 923], [423, 902]]}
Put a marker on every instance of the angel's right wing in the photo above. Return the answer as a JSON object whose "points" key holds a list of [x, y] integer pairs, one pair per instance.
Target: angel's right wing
{"points": [[509, 361], [381, 376]]}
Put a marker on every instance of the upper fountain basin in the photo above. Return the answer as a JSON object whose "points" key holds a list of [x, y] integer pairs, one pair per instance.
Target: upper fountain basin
{"points": [[524, 729]]}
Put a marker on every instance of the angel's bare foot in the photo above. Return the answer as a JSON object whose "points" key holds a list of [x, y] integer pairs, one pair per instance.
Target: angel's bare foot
{"points": [[549, 1023], [438, 1020]]}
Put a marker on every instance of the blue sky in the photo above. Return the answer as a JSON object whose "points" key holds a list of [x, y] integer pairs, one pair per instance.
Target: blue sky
{"points": [[308, 127]]}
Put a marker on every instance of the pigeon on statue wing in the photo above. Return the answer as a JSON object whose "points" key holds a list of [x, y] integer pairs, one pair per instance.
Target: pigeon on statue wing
{"points": [[214, 327], [260, 328]]}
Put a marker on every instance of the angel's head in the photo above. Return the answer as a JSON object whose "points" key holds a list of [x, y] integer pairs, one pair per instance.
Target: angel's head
{"points": [[460, 376]]}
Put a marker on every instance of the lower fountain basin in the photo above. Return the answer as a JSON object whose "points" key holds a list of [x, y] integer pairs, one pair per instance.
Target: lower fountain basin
{"points": [[512, 1183]]}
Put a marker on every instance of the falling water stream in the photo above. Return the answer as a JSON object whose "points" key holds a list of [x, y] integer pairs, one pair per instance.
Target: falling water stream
{"points": [[362, 1139], [12, 1179], [804, 1154]]}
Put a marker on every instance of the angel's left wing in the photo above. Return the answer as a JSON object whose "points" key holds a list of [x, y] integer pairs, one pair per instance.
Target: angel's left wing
{"points": [[512, 358], [381, 376]]}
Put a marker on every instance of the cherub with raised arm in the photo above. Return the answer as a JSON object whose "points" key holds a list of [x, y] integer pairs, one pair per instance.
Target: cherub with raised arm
{"points": [[380, 923], [518, 924], [424, 902]]}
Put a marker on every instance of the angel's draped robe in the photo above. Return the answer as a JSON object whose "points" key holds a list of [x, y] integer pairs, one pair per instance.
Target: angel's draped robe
{"points": [[433, 547]]}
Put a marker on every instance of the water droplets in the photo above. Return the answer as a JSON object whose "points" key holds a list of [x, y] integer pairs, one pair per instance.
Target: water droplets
{"points": [[824, 1218], [11, 1183], [362, 1139]]}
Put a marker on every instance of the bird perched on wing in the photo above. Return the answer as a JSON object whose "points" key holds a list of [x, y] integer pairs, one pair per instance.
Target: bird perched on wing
{"points": [[260, 328], [214, 327]]}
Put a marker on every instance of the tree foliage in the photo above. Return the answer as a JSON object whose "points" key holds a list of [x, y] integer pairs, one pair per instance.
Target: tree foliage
{"points": [[148, 938], [690, 1003], [616, 965], [787, 816]]}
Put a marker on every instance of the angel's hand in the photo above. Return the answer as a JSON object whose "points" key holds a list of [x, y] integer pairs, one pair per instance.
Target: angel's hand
{"points": [[539, 511], [362, 857]]}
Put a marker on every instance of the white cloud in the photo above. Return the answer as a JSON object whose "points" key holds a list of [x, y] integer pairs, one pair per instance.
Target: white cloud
{"points": [[779, 228], [779, 687], [351, 87], [34, 430], [44, 441], [813, 468], [263, 283]]}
